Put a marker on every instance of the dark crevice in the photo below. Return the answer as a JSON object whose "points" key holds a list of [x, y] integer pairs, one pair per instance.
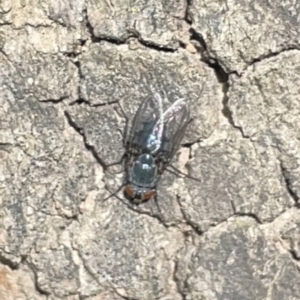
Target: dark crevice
{"points": [[82, 42], [288, 185], [249, 215], [90, 148], [125, 297], [187, 221], [181, 291], [156, 47], [177, 282], [6, 24], [273, 54], [37, 287], [80, 99], [187, 16], [223, 78], [294, 255], [55, 100], [182, 45], [195, 36], [81, 77], [227, 112], [74, 54], [71, 54], [6, 147], [9, 263], [109, 39], [190, 144], [71, 218], [96, 39], [244, 214], [78, 66], [36, 25], [221, 74], [131, 33]]}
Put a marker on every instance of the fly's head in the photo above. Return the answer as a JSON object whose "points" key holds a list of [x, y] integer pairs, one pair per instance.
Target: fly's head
{"points": [[138, 194], [142, 179]]}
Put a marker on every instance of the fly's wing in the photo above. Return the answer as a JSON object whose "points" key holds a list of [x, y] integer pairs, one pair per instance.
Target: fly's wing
{"points": [[144, 135], [176, 118]]}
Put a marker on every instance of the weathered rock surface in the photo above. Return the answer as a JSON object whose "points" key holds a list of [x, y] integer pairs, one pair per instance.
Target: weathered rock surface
{"points": [[238, 33], [228, 229]]}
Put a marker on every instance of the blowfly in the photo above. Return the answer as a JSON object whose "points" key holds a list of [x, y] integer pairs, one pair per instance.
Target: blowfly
{"points": [[151, 142]]}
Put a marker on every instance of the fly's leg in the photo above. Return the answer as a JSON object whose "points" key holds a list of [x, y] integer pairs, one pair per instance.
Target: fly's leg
{"points": [[157, 205], [115, 167], [125, 130], [116, 162], [175, 171], [113, 194]]}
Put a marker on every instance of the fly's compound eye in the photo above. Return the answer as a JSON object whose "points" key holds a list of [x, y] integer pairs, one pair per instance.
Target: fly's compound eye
{"points": [[129, 192]]}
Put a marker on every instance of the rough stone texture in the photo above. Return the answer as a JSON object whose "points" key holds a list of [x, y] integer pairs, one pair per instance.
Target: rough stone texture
{"points": [[245, 185], [28, 72], [229, 220], [157, 23], [239, 253], [269, 112], [237, 33], [130, 253]]}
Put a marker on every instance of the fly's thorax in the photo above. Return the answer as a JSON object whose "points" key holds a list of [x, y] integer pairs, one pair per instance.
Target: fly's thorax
{"points": [[143, 171]]}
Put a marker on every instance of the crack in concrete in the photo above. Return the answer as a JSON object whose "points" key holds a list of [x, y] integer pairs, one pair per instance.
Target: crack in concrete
{"points": [[87, 269], [221, 75], [125, 297], [245, 214], [35, 278], [198, 38], [90, 148], [131, 33], [80, 100], [187, 221], [52, 100], [7, 262], [272, 54], [294, 255], [187, 18], [176, 281], [235, 214], [288, 186], [223, 79]]}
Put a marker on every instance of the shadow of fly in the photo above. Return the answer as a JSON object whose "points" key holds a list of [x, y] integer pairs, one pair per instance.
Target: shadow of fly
{"points": [[150, 143]]}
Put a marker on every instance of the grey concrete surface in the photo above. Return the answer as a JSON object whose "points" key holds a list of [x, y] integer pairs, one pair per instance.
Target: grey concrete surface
{"points": [[227, 230]]}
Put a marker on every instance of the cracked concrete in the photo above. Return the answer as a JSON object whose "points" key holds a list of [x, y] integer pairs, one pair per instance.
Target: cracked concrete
{"points": [[66, 232]]}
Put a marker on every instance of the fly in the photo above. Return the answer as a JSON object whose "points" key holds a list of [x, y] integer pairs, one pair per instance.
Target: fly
{"points": [[151, 142]]}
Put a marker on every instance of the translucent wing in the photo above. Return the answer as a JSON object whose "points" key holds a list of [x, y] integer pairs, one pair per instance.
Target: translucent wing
{"points": [[146, 132], [175, 118]]}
